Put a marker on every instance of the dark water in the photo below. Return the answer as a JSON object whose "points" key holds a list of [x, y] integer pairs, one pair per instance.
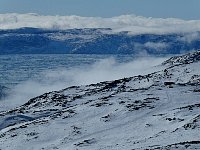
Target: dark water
{"points": [[23, 77], [15, 69]]}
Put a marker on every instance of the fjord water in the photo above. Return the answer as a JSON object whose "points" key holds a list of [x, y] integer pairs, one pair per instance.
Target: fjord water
{"points": [[22, 71], [15, 69], [25, 76]]}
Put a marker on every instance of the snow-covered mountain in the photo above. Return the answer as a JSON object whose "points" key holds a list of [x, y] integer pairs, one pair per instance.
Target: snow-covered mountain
{"points": [[94, 41], [159, 110], [127, 34]]}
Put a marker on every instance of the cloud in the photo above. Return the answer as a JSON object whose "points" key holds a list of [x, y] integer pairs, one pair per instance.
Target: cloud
{"points": [[158, 46], [103, 70], [134, 24], [190, 37]]}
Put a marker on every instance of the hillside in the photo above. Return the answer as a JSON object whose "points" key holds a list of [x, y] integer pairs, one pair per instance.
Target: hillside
{"points": [[159, 110]]}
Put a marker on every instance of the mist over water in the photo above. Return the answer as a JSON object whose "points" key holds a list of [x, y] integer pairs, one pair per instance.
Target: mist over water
{"points": [[57, 78]]}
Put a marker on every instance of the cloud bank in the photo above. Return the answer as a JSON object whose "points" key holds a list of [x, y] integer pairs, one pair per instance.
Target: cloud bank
{"points": [[134, 24], [103, 70]]}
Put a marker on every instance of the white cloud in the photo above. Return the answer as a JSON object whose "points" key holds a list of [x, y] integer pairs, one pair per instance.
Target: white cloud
{"points": [[132, 23], [158, 46], [104, 70], [189, 37]]}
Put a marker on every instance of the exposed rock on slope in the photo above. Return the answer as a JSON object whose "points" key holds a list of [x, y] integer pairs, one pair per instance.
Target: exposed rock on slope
{"points": [[140, 112], [185, 59]]}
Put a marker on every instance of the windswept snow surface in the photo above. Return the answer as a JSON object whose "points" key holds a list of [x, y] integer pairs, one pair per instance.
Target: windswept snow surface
{"points": [[159, 110], [133, 23]]}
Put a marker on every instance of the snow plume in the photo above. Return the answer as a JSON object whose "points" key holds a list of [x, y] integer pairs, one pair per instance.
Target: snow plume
{"points": [[103, 70], [134, 24]]}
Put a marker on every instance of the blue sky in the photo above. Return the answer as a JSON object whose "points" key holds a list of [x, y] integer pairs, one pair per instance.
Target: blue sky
{"points": [[185, 9]]}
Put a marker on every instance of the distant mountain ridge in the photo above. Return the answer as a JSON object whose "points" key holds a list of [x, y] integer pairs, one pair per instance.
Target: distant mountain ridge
{"points": [[94, 41]]}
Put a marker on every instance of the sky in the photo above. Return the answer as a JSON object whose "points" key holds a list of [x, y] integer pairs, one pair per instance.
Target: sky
{"points": [[184, 9]]}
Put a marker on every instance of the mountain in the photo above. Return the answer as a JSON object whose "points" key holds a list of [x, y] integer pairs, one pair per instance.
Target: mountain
{"points": [[126, 34], [159, 110], [94, 41]]}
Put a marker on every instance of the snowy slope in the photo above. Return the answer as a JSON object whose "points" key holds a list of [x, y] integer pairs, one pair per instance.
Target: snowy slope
{"points": [[159, 110]]}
